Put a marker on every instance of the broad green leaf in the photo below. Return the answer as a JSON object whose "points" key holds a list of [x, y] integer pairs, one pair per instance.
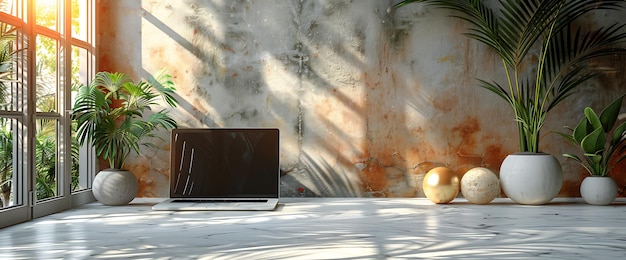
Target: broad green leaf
{"points": [[618, 134], [608, 116], [593, 142], [581, 130], [593, 118]]}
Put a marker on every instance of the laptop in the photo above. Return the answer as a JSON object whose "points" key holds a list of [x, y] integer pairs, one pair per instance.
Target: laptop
{"points": [[223, 169]]}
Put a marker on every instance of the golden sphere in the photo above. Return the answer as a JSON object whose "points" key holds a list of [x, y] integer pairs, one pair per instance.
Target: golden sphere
{"points": [[480, 185], [441, 185]]}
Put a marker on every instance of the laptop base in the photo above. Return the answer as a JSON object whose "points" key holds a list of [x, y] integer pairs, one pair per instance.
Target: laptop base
{"points": [[217, 205]]}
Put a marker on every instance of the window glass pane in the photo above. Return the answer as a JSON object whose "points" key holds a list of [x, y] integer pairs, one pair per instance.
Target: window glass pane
{"points": [[46, 81], [82, 158], [46, 13], [46, 159], [7, 6], [15, 8], [79, 19], [9, 182], [8, 66], [80, 68]]}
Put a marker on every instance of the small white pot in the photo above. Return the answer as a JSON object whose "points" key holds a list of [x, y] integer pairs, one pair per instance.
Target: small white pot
{"points": [[531, 178], [115, 187], [598, 190]]}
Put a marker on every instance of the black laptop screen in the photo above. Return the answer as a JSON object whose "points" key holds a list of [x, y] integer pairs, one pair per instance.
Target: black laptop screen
{"points": [[224, 163]]}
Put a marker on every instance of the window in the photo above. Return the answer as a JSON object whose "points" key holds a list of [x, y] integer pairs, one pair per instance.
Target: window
{"points": [[41, 166]]}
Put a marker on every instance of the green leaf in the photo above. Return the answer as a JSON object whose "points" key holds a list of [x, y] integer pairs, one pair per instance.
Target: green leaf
{"points": [[618, 134], [569, 138], [593, 142], [581, 130], [496, 89], [593, 118], [573, 157], [608, 116]]}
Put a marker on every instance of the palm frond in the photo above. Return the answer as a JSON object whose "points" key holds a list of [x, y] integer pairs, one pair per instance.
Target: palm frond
{"points": [[111, 82]]}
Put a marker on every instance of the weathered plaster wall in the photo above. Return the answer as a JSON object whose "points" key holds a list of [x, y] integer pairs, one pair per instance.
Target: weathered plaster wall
{"points": [[367, 99]]}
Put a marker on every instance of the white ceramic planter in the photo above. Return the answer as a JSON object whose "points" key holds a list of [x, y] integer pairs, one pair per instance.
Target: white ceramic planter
{"points": [[115, 187], [597, 190], [531, 178]]}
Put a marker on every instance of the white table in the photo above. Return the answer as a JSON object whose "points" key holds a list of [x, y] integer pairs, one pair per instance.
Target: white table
{"points": [[325, 228]]}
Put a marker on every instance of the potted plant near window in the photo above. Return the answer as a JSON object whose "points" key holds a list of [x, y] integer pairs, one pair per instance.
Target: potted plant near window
{"points": [[542, 35], [110, 117], [599, 140]]}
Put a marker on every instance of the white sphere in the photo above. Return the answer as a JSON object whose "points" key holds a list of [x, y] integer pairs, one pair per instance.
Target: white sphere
{"points": [[480, 185]]}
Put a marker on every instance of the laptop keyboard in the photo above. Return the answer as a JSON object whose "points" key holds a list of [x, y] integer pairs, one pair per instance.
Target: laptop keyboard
{"points": [[218, 201]]}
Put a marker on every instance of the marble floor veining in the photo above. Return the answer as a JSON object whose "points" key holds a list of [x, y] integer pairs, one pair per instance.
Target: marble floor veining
{"points": [[327, 228]]}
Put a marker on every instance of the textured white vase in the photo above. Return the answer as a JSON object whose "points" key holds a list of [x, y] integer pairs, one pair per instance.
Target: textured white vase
{"points": [[531, 178], [115, 187], [597, 190]]}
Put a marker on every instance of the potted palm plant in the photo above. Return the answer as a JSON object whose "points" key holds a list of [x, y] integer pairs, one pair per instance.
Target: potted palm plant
{"points": [[110, 116], [543, 35], [599, 140]]}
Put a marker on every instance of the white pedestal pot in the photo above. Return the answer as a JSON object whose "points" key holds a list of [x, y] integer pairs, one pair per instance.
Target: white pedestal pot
{"points": [[531, 178], [598, 190], [115, 187]]}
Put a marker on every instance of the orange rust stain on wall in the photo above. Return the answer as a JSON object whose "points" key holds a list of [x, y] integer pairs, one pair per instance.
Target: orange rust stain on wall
{"points": [[466, 155], [421, 156], [397, 193], [374, 178], [473, 151], [445, 102], [412, 154], [494, 156], [386, 158], [104, 63], [142, 172], [424, 167], [467, 129]]}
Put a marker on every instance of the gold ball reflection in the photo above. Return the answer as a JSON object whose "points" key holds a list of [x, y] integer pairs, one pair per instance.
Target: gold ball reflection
{"points": [[441, 185]]}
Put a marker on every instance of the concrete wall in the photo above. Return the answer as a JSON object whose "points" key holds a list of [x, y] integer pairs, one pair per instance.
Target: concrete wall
{"points": [[367, 99]]}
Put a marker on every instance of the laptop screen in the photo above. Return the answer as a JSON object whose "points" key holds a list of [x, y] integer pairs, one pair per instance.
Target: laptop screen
{"points": [[225, 163]]}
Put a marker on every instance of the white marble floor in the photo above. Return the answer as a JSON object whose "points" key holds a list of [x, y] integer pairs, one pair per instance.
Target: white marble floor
{"points": [[328, 228]]}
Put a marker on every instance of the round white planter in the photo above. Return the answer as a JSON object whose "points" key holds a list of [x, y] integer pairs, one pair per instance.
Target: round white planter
{"points": [[531, 178], [598, 190], [115, 187]]}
